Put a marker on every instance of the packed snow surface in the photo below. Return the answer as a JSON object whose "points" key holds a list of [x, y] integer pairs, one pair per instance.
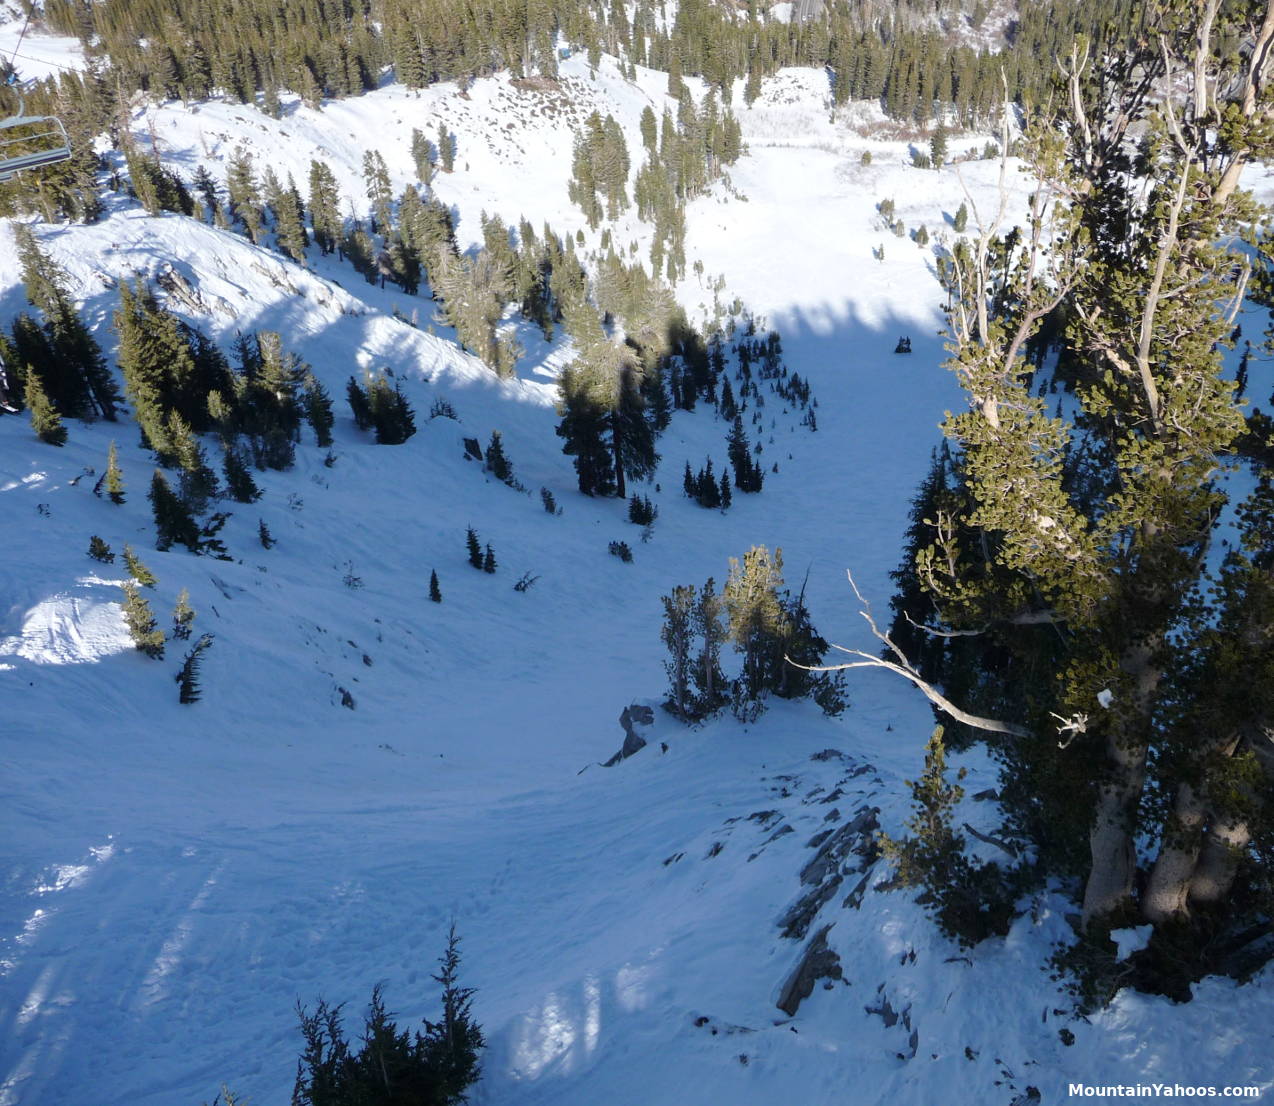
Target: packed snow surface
{"points": [[176, 877]]}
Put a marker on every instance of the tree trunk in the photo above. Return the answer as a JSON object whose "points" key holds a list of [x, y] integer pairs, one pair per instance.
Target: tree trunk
{"points": [[1223, 847], [617, 445], [1112, 839], [1187, 857], [1169, 887]]}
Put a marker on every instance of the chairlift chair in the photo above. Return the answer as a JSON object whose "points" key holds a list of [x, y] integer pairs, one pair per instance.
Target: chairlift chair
{"points": [[31, 141]]}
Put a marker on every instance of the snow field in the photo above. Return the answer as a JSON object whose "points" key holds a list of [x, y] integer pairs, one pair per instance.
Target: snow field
{"points": [[174, 878]]}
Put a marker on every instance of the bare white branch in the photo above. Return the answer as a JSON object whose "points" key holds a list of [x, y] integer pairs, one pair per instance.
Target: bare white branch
{"points": [[904, 668]]}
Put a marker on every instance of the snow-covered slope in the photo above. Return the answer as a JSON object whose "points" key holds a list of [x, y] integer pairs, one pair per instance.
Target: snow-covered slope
{"points": [[175, 877]]}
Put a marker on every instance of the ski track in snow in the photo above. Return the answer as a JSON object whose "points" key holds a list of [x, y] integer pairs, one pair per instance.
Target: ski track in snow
{"points": [[173, 879]]}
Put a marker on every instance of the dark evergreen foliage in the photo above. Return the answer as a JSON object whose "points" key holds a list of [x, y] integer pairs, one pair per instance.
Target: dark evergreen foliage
{"points": [[100, 551], [705, 488], [474, 546], [72, 367], [188, 678], [497, 462], [358, 404], [382, 408], [641, 510], [435, 592], [239, 482], [174, 524], [393, 1067]]}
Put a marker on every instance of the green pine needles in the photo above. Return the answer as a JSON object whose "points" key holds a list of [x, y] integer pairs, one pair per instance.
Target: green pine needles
{"points": [[140, 619]]}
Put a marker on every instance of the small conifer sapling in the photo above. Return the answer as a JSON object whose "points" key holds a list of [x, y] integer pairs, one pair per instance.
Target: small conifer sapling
{"points": [[137, 570], [100, 551], [183, 615], [140, 619], [114, 478]]}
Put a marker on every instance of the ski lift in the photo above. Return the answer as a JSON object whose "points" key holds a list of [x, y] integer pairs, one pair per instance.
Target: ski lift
{"points": [[30, 141]]}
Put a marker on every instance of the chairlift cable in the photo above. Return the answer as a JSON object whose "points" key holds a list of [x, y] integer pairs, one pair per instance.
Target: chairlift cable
{"points": [[22, 34], [46, 61]]}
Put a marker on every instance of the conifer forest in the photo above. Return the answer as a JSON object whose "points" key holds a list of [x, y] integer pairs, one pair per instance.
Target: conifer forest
{"points": [[671, 552]]}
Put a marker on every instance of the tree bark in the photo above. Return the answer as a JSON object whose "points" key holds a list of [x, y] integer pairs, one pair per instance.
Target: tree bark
{"points": [[1168, 891], [1223, 847], [1114, 859], [1112, 839]]}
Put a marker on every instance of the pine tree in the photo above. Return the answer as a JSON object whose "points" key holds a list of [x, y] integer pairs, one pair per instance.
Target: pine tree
{"points": [[244, 193], [78, 379], [183, 615], [932, 511], [961, 221], [711, 688], [140, 619], [758, 625], [455, 1042], [325, 207], [45, 420], [422, 156], [488, 560], [641, 511], [961, 894], [748, 476], [174, 523], [497, 464], [188, 678], [1089, 534], [678, 636], [446, 148], [114, 478], [264, 536], [239, 482], [938, 147], [474, 547], [585, 418], [318, 410], [289, 217], [390, 414], [435, 592], [359, 404], [137, 569], [379, 190], [100, 551]]}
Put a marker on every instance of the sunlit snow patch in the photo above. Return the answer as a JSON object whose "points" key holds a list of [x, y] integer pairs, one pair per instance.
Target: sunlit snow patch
{"points": [[68, 629]]}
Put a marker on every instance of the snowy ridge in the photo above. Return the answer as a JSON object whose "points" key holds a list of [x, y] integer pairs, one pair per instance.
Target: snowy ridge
{"points": [[175, 877]]}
